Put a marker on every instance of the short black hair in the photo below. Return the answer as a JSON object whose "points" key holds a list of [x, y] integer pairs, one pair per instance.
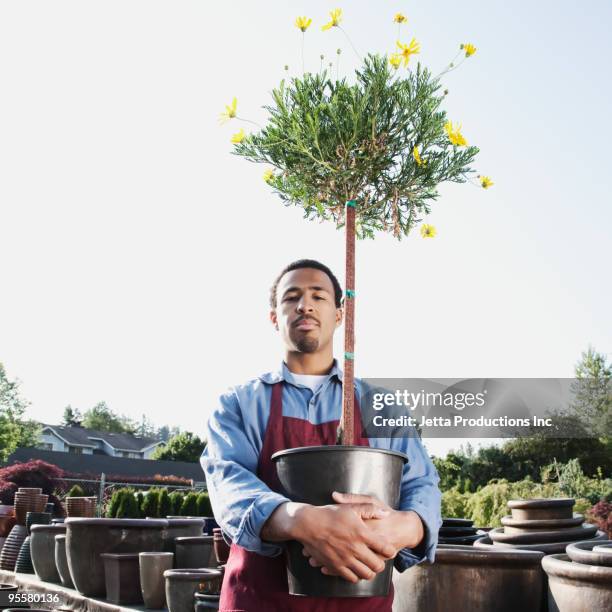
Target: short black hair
{"points": [[308, 263]]}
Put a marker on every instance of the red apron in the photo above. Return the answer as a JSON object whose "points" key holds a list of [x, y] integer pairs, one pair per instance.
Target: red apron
{"points": [[255, 583]]}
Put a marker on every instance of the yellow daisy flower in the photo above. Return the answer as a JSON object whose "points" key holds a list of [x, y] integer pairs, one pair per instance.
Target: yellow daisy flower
{"points": [[417, 157], [428, 231], [469, 49], [486, 182], [455, 135], [336, 17], [268, 175], [303, 23], [229, 112], [407, 50], [399, 18], [238, 137], [395, 59]]}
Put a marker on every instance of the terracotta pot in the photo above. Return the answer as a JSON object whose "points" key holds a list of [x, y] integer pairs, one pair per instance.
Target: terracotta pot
{"points": [[61, 561], [571, 534], [6, 510], [152, 567], [81, 506], [181, 527], [548, 548], [12, 546], [195, 552], [221, 547], [587, 553], [576, 587], [88, 538], [465, 578], [42, 548], [182, 585], [539, 524], [537, 509], [122, 578]]}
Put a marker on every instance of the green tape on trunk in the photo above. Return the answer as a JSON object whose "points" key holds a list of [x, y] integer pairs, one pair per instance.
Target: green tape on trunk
{"points": [[349, 356], [351, 203], [350, 293]]}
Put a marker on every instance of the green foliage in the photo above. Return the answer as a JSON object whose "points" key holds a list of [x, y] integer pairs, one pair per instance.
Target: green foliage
{"points": [[150, 505], [128, 506], [176, 499], [454, 504], [15, 431], [102, 418], [164, 504], [203, 505], [76, 491], [140, 502], [117, 499], [332, 141], [72, 417], [189, 506], [185, 446]]}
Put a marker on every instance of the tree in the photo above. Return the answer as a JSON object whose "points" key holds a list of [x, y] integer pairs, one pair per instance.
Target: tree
{"points": [[189, 506], [145, 428], [176, 499], [15, 431], [150, 505], [185, 446], [164, 508], [72, 417], [102, 418]]}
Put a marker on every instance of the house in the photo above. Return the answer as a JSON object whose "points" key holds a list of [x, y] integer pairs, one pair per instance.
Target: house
{"points": [[83, 441]]}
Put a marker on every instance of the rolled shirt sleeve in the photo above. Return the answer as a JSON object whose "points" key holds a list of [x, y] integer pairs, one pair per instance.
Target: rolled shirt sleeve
{"points": [[241, 502], [420, 493]]}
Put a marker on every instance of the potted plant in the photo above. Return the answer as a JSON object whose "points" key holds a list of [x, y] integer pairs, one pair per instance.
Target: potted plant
{"points": [[367, 153]]}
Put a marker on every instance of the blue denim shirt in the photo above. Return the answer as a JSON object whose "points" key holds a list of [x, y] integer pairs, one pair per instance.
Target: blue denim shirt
{"points": [[242, 503]]}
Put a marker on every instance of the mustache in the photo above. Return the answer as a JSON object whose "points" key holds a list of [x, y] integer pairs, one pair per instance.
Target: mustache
{"points": [[302, 319]]}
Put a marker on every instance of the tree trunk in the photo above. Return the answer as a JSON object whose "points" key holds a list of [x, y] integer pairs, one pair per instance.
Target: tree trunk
{"points": [[347, 425]]}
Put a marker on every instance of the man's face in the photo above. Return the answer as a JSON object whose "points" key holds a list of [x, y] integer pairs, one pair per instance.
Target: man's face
{"points": [[306, 315]]}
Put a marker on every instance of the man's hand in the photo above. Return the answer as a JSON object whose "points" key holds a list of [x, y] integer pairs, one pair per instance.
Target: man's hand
{"points": [[335, 537]]}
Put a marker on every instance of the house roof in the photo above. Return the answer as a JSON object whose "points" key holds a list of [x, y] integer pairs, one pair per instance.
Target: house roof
{"points": [[81, 436], [98, 464]]}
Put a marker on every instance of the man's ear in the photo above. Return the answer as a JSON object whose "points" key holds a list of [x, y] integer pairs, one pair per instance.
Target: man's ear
{"points": [[339, 315], [274, 319]]}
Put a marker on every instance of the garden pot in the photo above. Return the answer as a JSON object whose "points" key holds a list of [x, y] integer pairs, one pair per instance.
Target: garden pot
{"points": [[221, 547], [182, 585], [462, 540], [457, 522], [81, 506], [42, 549], [204, 602], [61, 561], [12, 546], [587, 553], [122, 578], [571, 534], [152, 566], [540, 524], [465, 578], [23, 564], [88, 538], [310, 475], [195, 551], [7, 520], [549, 548], [576, 587], [537, 509], [181, 527], [209, 524]]}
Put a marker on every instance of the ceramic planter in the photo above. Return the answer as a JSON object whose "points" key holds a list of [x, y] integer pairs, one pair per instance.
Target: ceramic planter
{"points": [[23, 564], [538, 509], [465, 578], [122, 578], [549, 548], [42, 549], [525, 526], [12, 546], [152, 567], [7, 520], [195, 552], [221, 547], [182, 585], [209, 524], [88, 538], [181, 527], [204, 602], [61, 561], [577, 587], [310, 475], [590, 553], [570, 534], [81, 506]]}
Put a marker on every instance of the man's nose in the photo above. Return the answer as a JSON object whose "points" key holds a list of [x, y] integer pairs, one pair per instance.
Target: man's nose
{"points": [[304, 305]]}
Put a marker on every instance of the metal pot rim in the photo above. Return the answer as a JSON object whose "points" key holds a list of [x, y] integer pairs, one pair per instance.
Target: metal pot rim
{"points": [[335, 448]]}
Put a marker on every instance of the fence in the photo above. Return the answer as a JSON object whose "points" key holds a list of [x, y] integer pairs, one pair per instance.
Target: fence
{"points": [[103, 489]]}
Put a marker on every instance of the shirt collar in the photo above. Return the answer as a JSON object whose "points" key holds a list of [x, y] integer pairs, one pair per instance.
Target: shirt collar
{"points": [[284, 374]]}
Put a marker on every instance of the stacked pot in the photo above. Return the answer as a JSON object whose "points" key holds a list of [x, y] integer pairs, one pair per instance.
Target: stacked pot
{"points": [[84, 507], [458, 531], [581, 579], [547, 525]]}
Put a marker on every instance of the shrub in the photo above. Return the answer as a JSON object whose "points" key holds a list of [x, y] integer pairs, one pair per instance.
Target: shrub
{"points": [[203, 505], [176, 499], [601, 515], [454, 504], [115, 502], [189, 507], [7, 492], [128, 506], [150, 506], [164, 504], [33, 474], [76, 491], [140, 502]]}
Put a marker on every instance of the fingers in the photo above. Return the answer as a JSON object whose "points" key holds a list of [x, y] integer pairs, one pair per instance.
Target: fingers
{"points": [[369, 511], [354, 498], [343, 572], [378, 544]]}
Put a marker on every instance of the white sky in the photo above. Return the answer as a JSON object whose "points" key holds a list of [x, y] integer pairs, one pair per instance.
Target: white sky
{"points": [[137, 252]]}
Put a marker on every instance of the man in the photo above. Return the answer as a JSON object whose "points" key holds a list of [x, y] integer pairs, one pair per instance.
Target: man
{"points": [[300, 405]]}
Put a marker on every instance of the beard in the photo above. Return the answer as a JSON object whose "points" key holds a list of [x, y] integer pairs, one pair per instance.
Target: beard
{"points": [[305, 343]]}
